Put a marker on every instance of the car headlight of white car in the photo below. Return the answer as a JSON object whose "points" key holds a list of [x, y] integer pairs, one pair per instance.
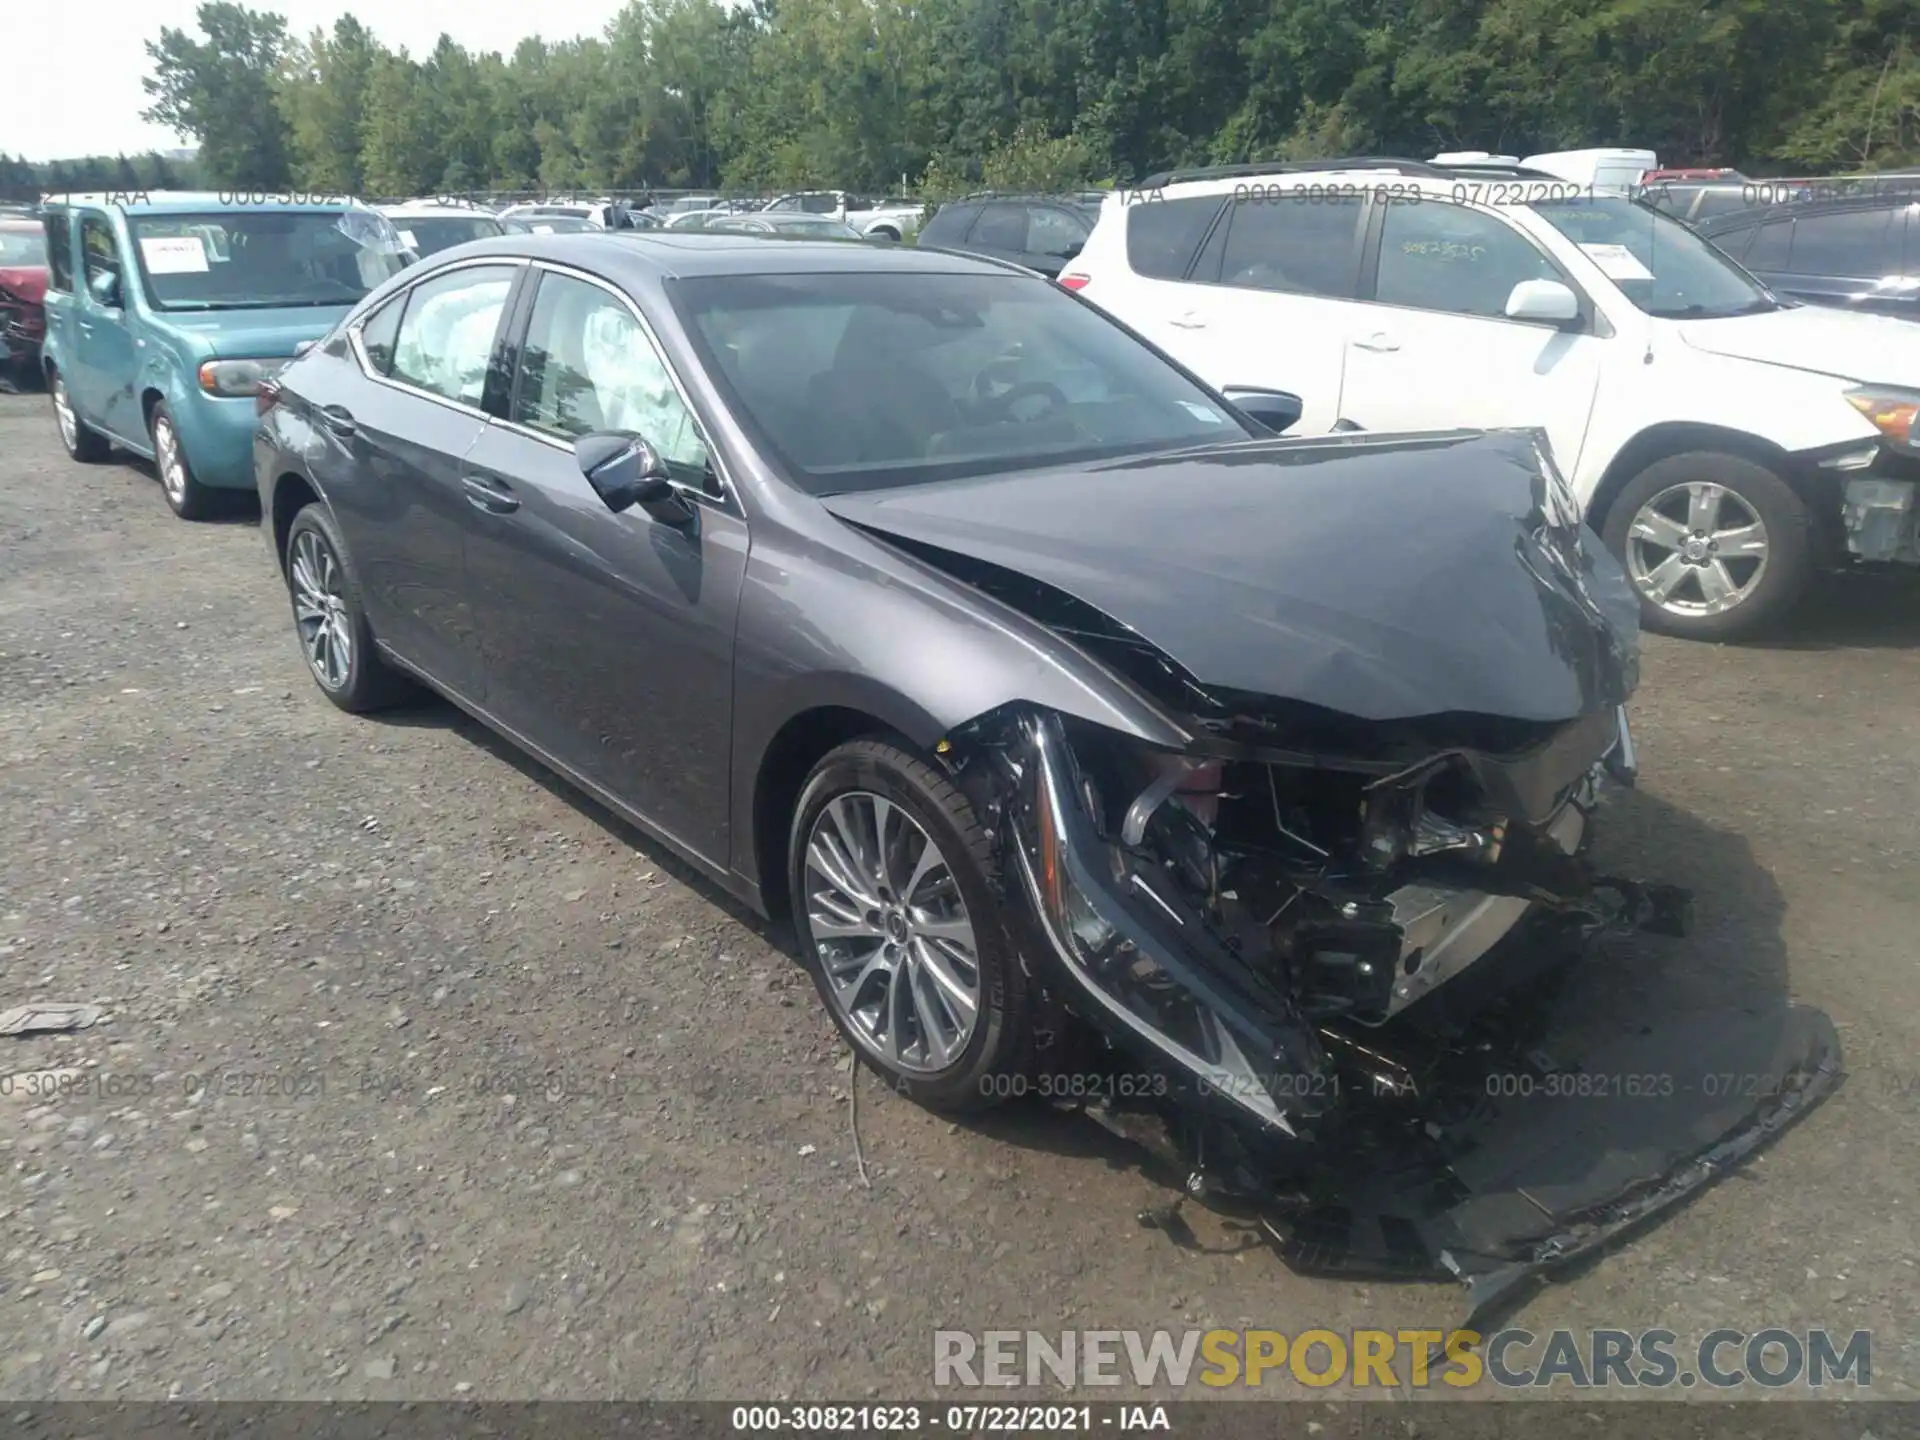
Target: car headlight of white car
{"points": [[1892, 410]]}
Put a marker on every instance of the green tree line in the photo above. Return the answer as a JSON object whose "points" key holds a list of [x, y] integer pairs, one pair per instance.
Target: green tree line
{"points": [[22, 179], [869, 94]]}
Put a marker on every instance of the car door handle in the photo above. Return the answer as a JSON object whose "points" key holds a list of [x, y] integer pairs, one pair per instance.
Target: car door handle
{"points": [[490, 495], [86, 326], [1379, 340], [338, 419], [1191, 320]]}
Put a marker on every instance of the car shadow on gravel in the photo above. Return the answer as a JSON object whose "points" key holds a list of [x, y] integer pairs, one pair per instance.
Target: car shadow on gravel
{"points": [[434, 713], [236, 507], [1651, 1022], [1852, 612]]}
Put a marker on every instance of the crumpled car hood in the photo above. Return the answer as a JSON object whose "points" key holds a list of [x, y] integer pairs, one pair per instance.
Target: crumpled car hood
{"points": [[28, 282], [1384, 577]]}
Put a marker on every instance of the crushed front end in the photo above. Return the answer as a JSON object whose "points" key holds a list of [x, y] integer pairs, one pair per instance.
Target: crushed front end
{"points": [[1317, 961]]}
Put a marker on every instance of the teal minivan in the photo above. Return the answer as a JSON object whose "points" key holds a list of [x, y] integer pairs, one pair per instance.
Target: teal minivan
{"points": [[165, 311]]}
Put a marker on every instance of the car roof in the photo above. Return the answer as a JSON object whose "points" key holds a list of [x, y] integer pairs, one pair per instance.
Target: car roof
{"points": [[1789, 209], [644, 256], [199, 202]]}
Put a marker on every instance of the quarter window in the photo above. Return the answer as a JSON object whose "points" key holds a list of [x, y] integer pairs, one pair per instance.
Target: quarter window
{"points": [[1303, 246], [587, 364], [1162, 235], [379, 331], [445, 338], [1449, 258]]}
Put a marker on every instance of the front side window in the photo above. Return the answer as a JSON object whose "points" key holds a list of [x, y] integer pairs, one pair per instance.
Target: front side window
{"points": [[1436, 256], [446, 334], [1772, 243], [59, 231], [859, 381], [264, 259], [588, 364], [23, 245], [1305, 247], [99, 251], [1661, 266]]}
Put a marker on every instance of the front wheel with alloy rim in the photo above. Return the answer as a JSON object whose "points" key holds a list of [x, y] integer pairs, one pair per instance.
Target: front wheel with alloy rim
{"points": [[333, 630], [83, 444], [1717, 546], [896, 904], [186, 496]]}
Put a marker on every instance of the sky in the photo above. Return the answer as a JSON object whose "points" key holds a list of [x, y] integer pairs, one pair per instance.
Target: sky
{"points": [[79, 91]]}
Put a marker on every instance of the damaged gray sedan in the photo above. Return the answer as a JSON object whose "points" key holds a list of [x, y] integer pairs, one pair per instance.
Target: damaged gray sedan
{"points": [[1099, 743]]}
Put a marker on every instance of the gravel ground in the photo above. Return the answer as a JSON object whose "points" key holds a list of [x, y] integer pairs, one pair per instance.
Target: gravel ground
{"points": [[424, 1077]]}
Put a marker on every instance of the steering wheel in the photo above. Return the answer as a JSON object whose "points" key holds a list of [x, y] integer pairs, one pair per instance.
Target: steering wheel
{"points": [[1000, 407]]}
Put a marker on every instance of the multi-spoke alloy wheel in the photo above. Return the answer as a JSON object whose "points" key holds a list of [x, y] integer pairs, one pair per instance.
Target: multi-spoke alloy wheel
{"points": [[83, 443], [187, 497], [63, 412], [1718, 546], [892, 932], [1697, 549], [320, 610]]}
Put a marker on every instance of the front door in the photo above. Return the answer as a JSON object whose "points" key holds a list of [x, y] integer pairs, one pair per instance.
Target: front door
{"points": [[103, 386], [609, 638], [1432, 349]]}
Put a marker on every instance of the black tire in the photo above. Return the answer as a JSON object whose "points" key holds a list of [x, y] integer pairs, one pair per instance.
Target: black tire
{"points": [[88, 446], [185, 495], [1777, 584], [365, 682], [998, 1053]]}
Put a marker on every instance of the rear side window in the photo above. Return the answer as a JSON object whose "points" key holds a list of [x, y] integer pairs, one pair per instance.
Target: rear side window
{"points": [[1854, 243], [949, 225], [1162, 235], [1303, 249], [445, 339], [1771, 244], [1054, 232], [59, 226], [1001, 227]]}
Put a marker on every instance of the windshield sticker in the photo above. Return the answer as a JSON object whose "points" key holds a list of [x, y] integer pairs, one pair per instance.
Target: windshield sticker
{"points": [[174, 255], [406, 239], [1617, 262], [1205, 413], [543, 229]]}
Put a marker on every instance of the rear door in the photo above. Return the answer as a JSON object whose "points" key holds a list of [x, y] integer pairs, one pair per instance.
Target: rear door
{"points": [[104, 367], [1269, 300], [609, 638], [1430, 346], [394, 418]]}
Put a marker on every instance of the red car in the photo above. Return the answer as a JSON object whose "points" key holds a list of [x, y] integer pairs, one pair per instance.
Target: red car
{"points": [[23, 289]]}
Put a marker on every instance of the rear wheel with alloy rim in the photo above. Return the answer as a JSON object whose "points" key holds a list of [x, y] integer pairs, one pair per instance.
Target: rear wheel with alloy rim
{"points": [[896, 903], [1717, 546], [83, 444], [334, 636], [186, 496]]}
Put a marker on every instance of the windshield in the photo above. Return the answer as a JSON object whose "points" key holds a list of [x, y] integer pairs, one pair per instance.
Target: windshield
{"points": [[547, 225], [23, 245], [820, 227], [1658, 263], [865, 381], [261, 259], [440, 232]]}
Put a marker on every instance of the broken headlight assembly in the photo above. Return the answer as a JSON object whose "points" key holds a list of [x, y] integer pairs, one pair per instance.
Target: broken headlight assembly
{"points": [[1127, 945]]}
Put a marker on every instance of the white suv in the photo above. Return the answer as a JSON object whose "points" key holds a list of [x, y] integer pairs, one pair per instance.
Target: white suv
{"points": [[1727, 443]]}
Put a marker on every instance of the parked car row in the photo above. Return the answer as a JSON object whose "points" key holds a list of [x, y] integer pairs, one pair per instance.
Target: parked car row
{"points": [[1028, 670]]}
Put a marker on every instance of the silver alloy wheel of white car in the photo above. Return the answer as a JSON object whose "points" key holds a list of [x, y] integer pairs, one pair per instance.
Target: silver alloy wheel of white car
{"points": [[320, 610], [892, 932], [63, 413], [166, 454], [1696, 549]]}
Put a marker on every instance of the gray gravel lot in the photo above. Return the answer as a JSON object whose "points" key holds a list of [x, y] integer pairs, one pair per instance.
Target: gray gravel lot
{"points": [[514, 1108]]}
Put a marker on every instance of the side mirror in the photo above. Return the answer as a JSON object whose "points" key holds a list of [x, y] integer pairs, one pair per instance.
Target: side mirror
{"points": [[1546, 300], [1275, 409], [105, 289], [625, 471]]}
